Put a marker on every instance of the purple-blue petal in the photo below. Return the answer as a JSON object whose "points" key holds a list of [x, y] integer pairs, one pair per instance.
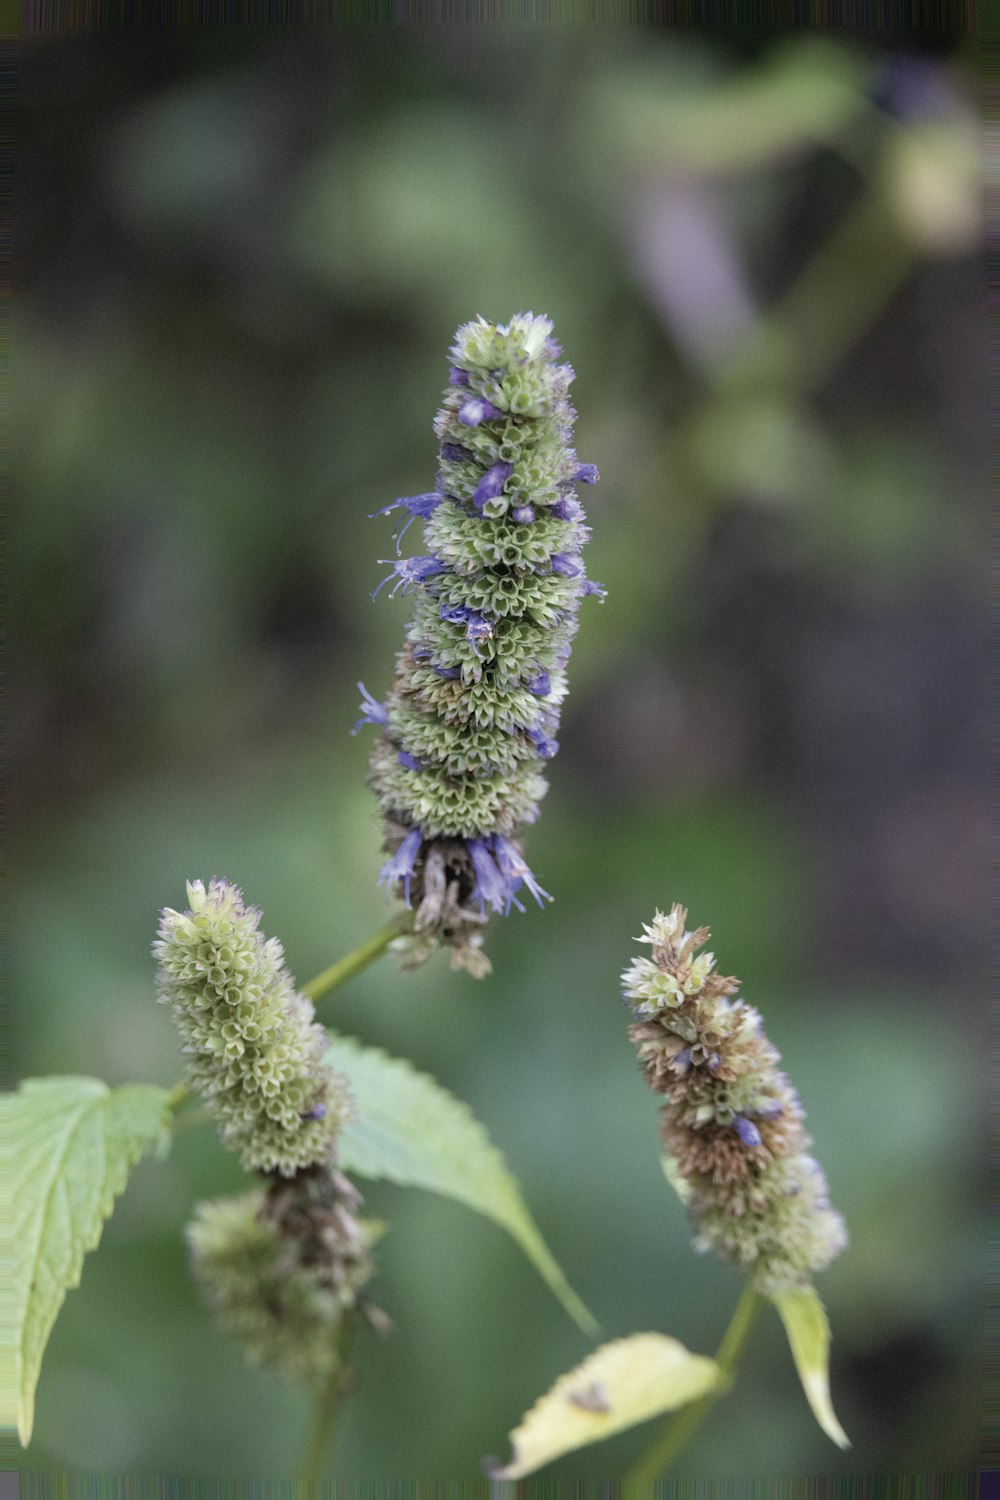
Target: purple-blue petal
{"points": [[546, 748], [586, 474], [491, 887], [540, 684], [747, 1131], [457, 376], [477, 409], [567, 565], [514, 869], [372, 712], [410, 762], [400, 866], [523, 514], [491, 484], [455, 453]]}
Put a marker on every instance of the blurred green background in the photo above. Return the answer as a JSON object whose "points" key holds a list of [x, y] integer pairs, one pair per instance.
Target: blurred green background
{"points": [[241, 254]]}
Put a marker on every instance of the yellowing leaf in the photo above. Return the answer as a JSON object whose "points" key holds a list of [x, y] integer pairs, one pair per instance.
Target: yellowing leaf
{"points": [[808, 1330], [68, 1147], [617, 1386], [407, 1128]]}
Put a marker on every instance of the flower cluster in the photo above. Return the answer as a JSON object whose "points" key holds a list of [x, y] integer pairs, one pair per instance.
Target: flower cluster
{"points": [[253, 1049], [732, 1123], [284, 1270], [472, 715]]}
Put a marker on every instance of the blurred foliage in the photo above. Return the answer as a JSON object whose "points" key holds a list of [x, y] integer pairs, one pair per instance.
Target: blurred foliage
{"points": [[242, 254]]}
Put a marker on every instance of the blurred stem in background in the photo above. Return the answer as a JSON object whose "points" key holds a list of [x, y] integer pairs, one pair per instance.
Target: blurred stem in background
{"points": [[834, 300], [328, 1401], [684, 1424]]}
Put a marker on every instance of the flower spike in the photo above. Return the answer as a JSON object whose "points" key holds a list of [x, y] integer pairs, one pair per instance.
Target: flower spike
{"points": [[731, 1121], [473, 713]]}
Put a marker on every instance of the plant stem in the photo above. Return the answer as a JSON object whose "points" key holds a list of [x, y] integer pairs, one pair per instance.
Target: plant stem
{"points": [[329, 1398], [683, 1424], [357, 960]]}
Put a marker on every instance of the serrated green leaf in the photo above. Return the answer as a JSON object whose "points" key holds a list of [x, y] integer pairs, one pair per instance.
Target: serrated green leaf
{"points": [[407, 1128], [808, 1330], [618, 1386], [68, 1146]]}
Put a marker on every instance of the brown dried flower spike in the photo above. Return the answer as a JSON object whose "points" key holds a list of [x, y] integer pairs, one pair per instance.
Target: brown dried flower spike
{"points": [[732, 1122]]}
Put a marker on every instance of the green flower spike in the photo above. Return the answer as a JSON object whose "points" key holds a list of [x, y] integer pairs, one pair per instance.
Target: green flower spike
{"points": [[471, 717], [253, 1049]]}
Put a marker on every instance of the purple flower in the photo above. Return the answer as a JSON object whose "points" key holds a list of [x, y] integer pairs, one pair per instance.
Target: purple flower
{"points": [[418, 505], [568, 566], [586, 474], [589, 587], [477, 410], [523, 514], [409, 761], [400, 866], [410, 570], [477, 627], [449, 673], [491, 887], [540, 684], [423, 506], [455, 453], [515, 871], [458, 377], [566, 508], [372, 712], [545, 747], [747, 1131], [491, 484]]}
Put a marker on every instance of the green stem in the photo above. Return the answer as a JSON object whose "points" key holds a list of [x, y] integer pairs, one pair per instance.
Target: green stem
{"points": [[329, 1399], [682, 1425], [358, 960], [178, 1094]]}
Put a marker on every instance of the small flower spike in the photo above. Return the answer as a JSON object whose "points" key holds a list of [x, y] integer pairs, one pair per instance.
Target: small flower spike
{"points": [[283, 1269], [253, 1049], [732, 1123], [472, 715]]}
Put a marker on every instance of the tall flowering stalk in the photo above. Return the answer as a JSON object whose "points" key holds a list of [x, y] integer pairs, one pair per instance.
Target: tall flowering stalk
{"points": [[473, 711], [732, 1123]]}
